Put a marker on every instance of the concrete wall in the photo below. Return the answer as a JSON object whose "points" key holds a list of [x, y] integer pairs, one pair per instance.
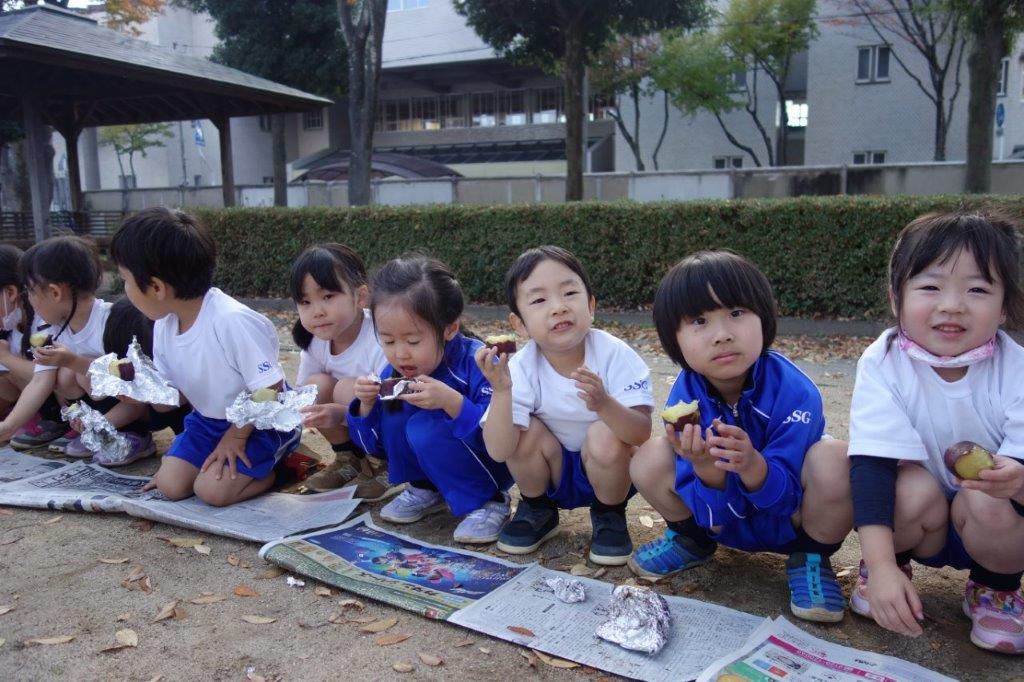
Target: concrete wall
{"points": [[434, 34]]}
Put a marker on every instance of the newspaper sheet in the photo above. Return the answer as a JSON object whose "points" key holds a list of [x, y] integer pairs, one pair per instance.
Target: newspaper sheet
{"points": [[701, 632], [78, 486], [779, 650], [361, 558], [15, 465], [261, 519]]}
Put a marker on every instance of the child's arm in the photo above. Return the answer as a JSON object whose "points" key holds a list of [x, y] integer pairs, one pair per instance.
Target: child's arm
{"points": [[62, 356], [364, 417], [501, 436], [631, 425], [31, 399], [18, 365]]}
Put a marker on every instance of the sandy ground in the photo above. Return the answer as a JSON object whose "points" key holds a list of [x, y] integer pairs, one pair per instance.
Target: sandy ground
{"points": [[54, 578]]}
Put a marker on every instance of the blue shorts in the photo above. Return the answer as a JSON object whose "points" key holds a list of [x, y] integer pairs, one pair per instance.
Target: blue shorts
{"points": [[952, 553], [574, 489], [202, 434]]}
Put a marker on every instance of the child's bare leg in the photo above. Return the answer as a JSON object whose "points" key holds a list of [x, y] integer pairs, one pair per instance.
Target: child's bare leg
{"points": [[826, 512], [175, 478], [922, 512], [123, 414], [606, 461], [992, 532], [68, 387], [344, 393], [653, 471], [9, 391], [536, 463], [226, 490]]}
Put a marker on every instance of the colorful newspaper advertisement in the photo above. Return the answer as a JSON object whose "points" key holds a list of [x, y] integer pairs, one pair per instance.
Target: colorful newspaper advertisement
{"points": [[261, 519], [361, 558], [15, 465], [779, 650], [525, 611]]}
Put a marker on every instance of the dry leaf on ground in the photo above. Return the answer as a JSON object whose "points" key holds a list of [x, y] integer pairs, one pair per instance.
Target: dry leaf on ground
{"points": [[555, 662], [142, 525], [7, 608], [245, 591], [11, 541], [47, 641], [398, 667], [166, 611], [232, 559], [114, 561], [430, 659], [208, 599], [55, 519], [581, 569], [322, 591], [531, 660], [137, 572], [127, 637], [351, 604], [258, 620], [646, 521], [462, 643], [203, 549], [183, 541], [379, 625], [123, 617], [272, 572], [519, 630], [2, 640], [388, 640]]}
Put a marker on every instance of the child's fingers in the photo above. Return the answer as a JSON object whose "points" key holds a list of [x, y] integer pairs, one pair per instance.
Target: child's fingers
{"points": [[673, 438], [150, 485], [729, 430]]}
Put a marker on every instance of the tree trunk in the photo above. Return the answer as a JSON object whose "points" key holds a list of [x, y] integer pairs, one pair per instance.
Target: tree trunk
{"points": [[987, 49], [782, 133], [635, 94], [280, 178], [572, 74], [661, 138], [941, 128], [15, 194]]}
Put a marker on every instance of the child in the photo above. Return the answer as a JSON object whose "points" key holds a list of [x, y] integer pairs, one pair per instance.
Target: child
{"points": [[431, 435], [946, 373], [568, 409], [335, 333], [755, 474], [211, 347]]}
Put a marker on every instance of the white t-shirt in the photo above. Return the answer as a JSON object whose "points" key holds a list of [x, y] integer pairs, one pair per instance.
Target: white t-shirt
{"points": [[229, 348], [87, 341], [902, 409], [363, 357], [15, 337], [540, 391]]}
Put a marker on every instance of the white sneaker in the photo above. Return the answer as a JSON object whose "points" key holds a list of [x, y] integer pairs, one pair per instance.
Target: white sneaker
{"points": [[483, 525], [412, 505]]}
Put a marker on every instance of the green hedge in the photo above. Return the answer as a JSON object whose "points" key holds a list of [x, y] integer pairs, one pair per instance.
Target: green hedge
{"points": [[824, 255]]}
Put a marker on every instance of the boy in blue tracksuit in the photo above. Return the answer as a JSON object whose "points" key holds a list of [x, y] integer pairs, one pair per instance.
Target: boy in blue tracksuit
{"points": [[756, 473]]}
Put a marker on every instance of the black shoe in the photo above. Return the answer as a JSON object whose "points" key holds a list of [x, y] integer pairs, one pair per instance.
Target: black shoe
{"points": [[532, 525], [610, 543]]}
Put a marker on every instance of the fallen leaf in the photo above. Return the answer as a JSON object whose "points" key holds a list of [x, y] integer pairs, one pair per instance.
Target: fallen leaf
{"points": [[530, 658], [379, 625], [363, 620], [936, 646], [46, 641], [337, 619], [115, 561], [208, 599], [484, 650], [156, 678], [52, 521], [2, 640], [843, 573], [581, 569], [142, 525], [245, 591], [653, 580], [258, 620], [599, 572], [123, 617], [305, 625], [555, 662], [127, 637], [11, 541], [351, 604], [388, 640], [521, 630], [203, 549], [6, 609], [166, 611], [146, 585], [322, 591], [646, 521], [430, 659], [271, 572], [462, 642], [232, 559], [402, 667], [183, 541], [137, 573], [180, 613]]}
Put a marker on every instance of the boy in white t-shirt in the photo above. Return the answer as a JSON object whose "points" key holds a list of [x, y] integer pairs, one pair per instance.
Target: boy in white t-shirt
{"points": [[211, 347], [567, 411]]}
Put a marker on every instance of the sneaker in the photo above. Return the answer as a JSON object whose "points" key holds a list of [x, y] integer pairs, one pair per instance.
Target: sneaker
{"points": [[484, 524], [997, 618], [859, 597], [814, 592], [670, 554], [61, 444], [412, 505], [339, 473], [140, 446], [75, 449], [37, 433], [529, 528], [372, 482], [610, 544]]}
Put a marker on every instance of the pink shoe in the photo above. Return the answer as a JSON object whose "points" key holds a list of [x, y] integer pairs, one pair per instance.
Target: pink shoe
{"points": [[997, 618], [859, 597]]}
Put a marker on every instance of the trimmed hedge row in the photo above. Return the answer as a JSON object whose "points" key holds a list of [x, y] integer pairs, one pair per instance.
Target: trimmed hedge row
{"points": [[825, 256]]}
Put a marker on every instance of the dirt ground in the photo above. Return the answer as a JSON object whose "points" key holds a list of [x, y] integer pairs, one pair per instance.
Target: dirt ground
{"points": [[58, 577]]}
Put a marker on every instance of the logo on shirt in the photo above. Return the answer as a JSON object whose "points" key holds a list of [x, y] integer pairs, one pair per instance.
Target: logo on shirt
{"points": [[638, 386], [486, 390], [798, 417], [265, 366]]}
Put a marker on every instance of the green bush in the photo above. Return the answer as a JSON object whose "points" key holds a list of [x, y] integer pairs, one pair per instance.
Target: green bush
{"points": [[824, 255]]}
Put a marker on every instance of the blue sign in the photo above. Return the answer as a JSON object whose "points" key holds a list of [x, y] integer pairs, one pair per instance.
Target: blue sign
{"points": [[197, 126], [1000, 114]]}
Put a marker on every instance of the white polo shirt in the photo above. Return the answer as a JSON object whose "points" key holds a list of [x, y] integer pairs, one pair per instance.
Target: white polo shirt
{"points": [[363, 357]]}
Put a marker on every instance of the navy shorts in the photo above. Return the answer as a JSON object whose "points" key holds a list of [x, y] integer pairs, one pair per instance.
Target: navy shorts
{"points": [[202, 434], [574, 489], [952, 553]]}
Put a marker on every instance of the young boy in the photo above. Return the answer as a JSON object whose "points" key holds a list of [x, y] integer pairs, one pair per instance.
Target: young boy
{"points": [[568, 410], [211, 347]]}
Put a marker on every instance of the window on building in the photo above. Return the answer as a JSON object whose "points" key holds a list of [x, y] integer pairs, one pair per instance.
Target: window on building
{"points": [[483, 111], [737, 81], [265, 123], [873, 64], [868, 157], [268, 179], [1004, 78], [451, 111], [313, 120], [127, 181], [399, 5], [512, 108], [796, 113], [197, 180], [547, 106], [601, 107], [723, 162], [424, 114]]}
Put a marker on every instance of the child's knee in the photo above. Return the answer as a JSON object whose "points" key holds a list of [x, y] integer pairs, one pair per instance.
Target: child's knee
{"points": [[174, 489], [653, 464], [604, 448], [984, 511], [67, 385], [344, 391], [919, 499], [826, 469], [324, 386], [213, 492]]}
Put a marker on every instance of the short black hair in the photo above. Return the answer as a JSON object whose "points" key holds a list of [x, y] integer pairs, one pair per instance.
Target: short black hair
{"points": [[334, 267], [167, 244], [709, 280], [528, 260], [428, 286], [124, 323], [993, 240], [69, 260]]}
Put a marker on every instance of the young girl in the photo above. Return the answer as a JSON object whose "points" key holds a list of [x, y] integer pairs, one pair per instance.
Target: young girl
{"points": [[335, 332], [568, 409], [755, 474], [945, 374], [431, 435]]}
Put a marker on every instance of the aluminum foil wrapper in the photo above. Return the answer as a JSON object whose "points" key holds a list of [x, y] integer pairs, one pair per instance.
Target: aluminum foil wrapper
{"points": [[567, 590], [639, 619], [281, 414], [98, 434], [146, 387], [398, 388]]}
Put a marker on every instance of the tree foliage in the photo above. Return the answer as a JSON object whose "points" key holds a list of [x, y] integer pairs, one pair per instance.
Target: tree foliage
{"points": [[129, 140]]}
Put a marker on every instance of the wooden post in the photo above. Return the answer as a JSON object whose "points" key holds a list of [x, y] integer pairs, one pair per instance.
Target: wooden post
{"points": [[36, 159], [227, 168]]}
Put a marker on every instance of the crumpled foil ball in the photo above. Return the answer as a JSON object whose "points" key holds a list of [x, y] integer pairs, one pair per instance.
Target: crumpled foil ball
{"points": [[566, 590], [147, 386], [98, 434], [281, 414], [639, 620]]}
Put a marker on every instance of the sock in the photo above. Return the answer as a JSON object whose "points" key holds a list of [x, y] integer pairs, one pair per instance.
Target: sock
{"points": [[599, 507], [349, 446], [423, 484], [690, 529], [1017, 507], [538, 502], [1000, 582], [50, 410], [808, 545], [903, 558]]}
